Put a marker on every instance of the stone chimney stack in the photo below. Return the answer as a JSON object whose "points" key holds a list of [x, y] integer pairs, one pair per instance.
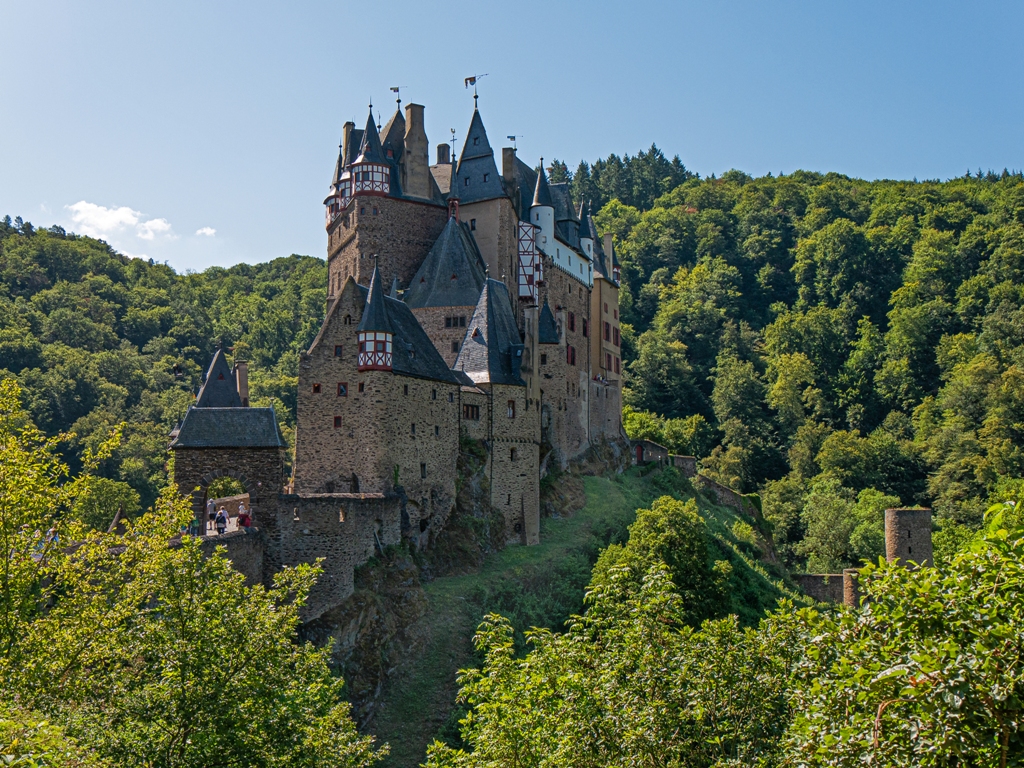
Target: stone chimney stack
{"points": [[609, 245], [416, 155], [346, 139], [444, 154], [242, 380], [908, 536]]}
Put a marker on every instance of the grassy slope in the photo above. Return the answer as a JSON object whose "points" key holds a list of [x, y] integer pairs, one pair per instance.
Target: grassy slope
{"points": [[533, 585]]}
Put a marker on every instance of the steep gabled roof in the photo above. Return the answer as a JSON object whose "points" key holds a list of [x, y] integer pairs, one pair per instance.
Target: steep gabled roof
{"points": [[587, 228], [452, 275], [394, 288], [541, 193], [228, 428], [219, 388], [393, 137], [477, 166], [492, 351], [375, 314], [547, 328]]}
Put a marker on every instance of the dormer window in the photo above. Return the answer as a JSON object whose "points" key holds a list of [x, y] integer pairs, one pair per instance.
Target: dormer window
{"points": [[476, 141], [375, 348], [487, 176], [466, 183]]}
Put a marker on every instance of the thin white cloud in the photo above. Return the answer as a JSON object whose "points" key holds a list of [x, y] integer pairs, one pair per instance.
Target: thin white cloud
{"points": [[206, 231], [147, 230], [106, 223]]}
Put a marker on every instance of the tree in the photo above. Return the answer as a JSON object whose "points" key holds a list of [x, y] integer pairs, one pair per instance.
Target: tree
{"points": [[144, 648]]}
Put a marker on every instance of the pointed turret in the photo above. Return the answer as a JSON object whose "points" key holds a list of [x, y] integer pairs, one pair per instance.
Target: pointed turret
{"points": [[541, 193], [219, 388], [542, 212], [376, 335], [547, 328], [588, 239], [370, 173], [394, 288], [477, 174]]}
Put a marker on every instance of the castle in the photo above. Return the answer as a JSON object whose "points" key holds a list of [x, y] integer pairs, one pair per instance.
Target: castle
{"points": [[464, 303]]}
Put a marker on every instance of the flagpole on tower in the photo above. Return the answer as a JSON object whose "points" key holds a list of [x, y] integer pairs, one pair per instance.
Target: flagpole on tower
{"points": [[471, 80]]}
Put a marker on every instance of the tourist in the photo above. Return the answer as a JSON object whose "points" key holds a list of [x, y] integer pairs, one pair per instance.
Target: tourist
{"points": [[244, 520], [221, 521], [210, 513]]}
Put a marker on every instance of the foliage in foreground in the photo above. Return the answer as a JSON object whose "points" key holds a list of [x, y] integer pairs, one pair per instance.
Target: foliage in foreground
{"points": [[929, 671], [140, 647]]}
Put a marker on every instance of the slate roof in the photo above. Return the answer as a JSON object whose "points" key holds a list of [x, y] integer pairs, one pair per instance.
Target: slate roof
{"points": [[541, 192], [375, 314], [452, 275], [219, 390], [492, 351], [228, 428], [369, 147], [547, 328], [442, 175], [475, 163], [394, 288], [566, 223]]}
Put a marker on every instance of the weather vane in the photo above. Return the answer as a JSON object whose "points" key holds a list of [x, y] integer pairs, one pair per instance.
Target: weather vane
{"points": [[472, 81], [512, 138], [453, 144], [395, 90]]}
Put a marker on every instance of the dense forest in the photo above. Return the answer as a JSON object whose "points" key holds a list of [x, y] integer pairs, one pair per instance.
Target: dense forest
{"points": [[835, 344]]}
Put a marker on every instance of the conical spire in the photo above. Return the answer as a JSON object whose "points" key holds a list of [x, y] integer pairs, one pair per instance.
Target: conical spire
{"points": [[369, 149], [541, 193], [587, 228], [394, 288], [375, 314], [219, 389]]}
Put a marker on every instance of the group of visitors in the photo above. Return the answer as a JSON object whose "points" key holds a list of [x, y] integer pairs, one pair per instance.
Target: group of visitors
{"points": [[219, 518]]}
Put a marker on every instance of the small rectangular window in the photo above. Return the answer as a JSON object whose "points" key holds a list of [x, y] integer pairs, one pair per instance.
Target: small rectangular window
{"points": [[342, 389], [447, 322], [466, 184], [337, 422], [572, 321], [543, 359], [413, 428], [462, 321], [606, 307], [586, 328], [423, 470], [471, 412], [433, 394], [455, 346], [437, 431], [451, 397], [487, 176], [512, 455], [615, 336], [316, 389], [337, 350], [607, 331], [472, 222], [511, 409], [608, 361], [406, 389], [615, 314], [616, 365], [360, 387]]}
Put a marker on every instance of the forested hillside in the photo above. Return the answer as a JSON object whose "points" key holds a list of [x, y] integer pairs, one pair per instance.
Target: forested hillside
{"points": [[836, 344], [839, 345], [96, 338]]}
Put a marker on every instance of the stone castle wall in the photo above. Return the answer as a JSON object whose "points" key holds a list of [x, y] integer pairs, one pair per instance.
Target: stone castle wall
{"points": [[245, 549], [447, 339], [396, 239]]}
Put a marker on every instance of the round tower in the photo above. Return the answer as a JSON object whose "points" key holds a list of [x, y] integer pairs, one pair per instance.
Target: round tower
{"points": [[376, 336], [542, 212], [908, 536], [369, 173]]}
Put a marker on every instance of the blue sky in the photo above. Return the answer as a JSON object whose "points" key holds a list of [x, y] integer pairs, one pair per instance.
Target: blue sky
{"points": [[203, 133]]}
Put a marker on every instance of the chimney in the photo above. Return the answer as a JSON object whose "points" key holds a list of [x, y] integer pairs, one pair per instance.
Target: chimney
{"points": [[242, 380], [608, 245], [444, 156], [416, 158], [346, 140]]}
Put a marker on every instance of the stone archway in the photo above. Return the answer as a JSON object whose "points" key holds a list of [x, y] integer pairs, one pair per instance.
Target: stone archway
{"points": [[199, 496]]}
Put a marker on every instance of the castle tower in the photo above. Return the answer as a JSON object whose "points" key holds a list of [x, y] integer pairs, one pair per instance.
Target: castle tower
{"points": [[542, 211], [370, 174], [908, 536], [485, 205], [375, 334], [492, 358], [415, 160]]}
